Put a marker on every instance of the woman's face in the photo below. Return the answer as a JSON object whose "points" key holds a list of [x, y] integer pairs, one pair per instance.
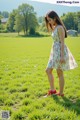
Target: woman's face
{"points": [[50, 20]]}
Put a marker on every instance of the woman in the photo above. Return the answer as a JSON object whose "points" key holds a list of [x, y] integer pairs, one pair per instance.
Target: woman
{"points": [[60, 58]]}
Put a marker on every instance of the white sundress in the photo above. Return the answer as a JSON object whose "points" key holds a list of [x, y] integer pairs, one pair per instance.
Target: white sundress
{"points": [[54, 59]]}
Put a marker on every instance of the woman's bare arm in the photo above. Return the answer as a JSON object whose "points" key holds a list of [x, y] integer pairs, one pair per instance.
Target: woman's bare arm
{"points": [[61, 36]]}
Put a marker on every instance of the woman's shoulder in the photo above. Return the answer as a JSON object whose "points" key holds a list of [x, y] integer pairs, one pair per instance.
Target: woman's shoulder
{"points": [[60, 28]]}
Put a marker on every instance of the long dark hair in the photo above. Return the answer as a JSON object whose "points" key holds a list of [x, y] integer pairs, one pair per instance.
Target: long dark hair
{"points": [[53, 15]]}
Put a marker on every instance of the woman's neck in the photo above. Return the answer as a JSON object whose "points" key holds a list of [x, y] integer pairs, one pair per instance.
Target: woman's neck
{"points": [[54, 26]]}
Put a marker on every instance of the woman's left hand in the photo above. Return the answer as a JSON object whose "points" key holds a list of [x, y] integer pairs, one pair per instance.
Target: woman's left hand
{"points": [[62, 60]]}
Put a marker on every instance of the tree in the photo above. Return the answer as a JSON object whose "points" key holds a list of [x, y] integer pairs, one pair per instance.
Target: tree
{"points": [[1, 26], [79, 25], [70, 20], [78, 21], [40, 19], [28, 17], [11, 21], [32, 22], [43, 27], [5, 14], [18, 26]]}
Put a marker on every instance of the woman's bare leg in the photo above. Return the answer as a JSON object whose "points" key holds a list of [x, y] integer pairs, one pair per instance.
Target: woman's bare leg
{"points": [[61, 80], [50, 77]]}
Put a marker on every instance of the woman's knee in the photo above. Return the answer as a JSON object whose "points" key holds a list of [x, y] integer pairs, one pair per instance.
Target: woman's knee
{"points": [[59, 72], [48, 70]]}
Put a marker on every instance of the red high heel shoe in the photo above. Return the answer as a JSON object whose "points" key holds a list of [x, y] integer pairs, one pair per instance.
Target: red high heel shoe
{"points": [[51, 92]]}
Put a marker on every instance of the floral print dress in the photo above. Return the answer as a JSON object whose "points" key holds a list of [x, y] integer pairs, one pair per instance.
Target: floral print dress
{"points": [[54, 60]]}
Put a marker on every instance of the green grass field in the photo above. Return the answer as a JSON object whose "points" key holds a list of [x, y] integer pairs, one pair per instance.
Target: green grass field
{"points": [[23, 81]]}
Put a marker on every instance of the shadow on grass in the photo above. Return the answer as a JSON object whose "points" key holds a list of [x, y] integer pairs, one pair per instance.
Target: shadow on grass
{"points": [[72, 105], [40, 35]]}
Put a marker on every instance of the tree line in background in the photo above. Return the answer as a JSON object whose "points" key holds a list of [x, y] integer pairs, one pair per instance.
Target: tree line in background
{"points": [[22, 19], [25, 19]]}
